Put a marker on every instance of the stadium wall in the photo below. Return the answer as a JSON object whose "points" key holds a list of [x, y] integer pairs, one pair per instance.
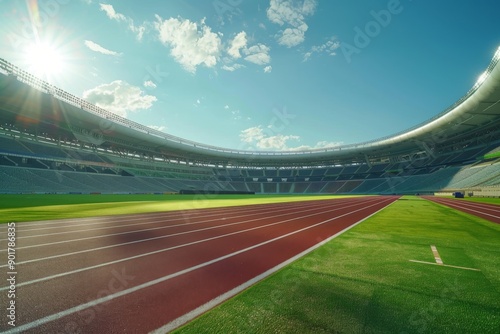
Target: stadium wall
{"points": [[493, 191], [487, 192]]}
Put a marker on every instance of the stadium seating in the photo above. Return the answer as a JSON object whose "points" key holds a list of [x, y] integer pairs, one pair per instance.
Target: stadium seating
{"points": [[67, 156]]}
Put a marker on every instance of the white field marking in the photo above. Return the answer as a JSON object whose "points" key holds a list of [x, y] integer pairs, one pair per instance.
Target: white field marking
{"points": [[216, 301], [455, 206], [168, 249], [158, 221], [148, 229], [444, 265], [172, 235], [109, 297], [119, 219], [436, 255]]}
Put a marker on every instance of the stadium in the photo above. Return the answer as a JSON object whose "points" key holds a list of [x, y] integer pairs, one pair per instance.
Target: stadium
{"points": [[55, 144]]}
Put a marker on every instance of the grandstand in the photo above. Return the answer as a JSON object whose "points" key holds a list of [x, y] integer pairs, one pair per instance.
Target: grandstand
{"points": [[54, 142]]}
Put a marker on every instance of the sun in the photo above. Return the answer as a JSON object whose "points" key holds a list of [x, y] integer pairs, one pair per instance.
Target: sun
{"points": [[44, 60]]}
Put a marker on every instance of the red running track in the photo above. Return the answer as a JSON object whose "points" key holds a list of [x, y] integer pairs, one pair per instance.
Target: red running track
{"points": [[489, 212], [140, 273]]}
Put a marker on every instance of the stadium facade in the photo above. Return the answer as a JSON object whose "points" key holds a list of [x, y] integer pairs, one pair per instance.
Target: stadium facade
{"points": [[54, 142]]}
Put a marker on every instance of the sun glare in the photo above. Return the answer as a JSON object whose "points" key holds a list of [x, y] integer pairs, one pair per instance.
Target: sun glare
{"points": [[44, 60]]}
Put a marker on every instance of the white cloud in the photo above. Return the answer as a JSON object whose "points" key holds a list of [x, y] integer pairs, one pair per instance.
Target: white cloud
{"points": [[232, 67], [329, 48], [327, 144], [149, 84], [236, 115], [239, 42], [97, 48], [292, 37], [319, 145], [138, 30], [268, 69], [307, 55], [267, 141], [113, 15], [277, 142], [291, 13], [191, 44], [158, 127], [252, 134], [119, 97], [258, 54]]}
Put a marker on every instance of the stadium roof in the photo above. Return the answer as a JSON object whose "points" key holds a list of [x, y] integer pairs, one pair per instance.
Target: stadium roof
{"points": [[475, 115]]}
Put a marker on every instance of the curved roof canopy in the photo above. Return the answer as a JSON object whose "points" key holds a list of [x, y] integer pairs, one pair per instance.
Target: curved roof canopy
{"points": [[475, 114]]}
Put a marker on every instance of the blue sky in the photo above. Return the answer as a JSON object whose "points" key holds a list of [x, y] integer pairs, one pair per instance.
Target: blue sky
{"points": [[259, 75]]}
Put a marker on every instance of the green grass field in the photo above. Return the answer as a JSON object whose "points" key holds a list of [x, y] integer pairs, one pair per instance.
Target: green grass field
{"points": [[360, 282]]}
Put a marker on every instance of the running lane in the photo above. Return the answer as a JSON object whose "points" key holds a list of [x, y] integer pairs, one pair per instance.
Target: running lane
{"points": [[135, 274], [489, 212]]}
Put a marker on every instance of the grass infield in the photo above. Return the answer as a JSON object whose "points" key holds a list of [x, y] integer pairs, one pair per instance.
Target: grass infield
{"points": [[363, 281]]}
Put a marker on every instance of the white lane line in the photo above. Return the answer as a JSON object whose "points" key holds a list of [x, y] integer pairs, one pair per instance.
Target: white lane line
{"points": [[158, 220], [170, 235], [467, 204], [485, 206], [444, 265], [216, 301], [142, 230], [175, 234], [171, 215], [109, 297], [192, 213], [160, 251], [472, 210], [436, 255], [465, 209]]}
